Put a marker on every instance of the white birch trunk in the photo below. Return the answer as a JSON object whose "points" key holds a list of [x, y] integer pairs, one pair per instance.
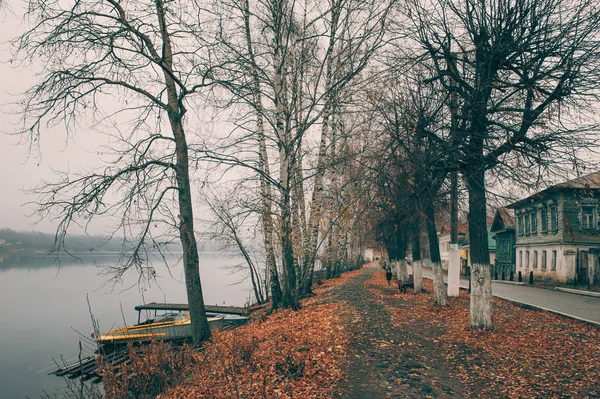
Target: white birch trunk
{"points": [[316, 204], [263, 162], [481, 297], [453, 270], [418, 276], [402, 270], [439, 288], [290, 294]]}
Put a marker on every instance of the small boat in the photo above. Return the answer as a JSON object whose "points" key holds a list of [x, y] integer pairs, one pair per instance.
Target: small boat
{"points": [[173, 324], [167, 322], [232, 316]]}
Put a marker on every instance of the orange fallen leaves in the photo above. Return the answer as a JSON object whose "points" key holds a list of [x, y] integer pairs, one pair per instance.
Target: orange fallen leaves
{"points": [[288, 354], [529, 354], [335, 282]]}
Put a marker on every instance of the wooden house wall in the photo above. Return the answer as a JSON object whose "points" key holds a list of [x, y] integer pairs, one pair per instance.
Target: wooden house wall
{"points": [[550, 237], [573, 232], [505, 250]]}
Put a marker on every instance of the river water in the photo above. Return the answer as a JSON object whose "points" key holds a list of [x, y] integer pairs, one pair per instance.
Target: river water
{"points": [[44, 310]]}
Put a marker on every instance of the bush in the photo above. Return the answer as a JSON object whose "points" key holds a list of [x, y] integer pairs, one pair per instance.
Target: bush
{"points": [[151, 369]]}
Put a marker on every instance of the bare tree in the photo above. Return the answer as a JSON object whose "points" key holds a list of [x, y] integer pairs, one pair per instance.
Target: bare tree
{"points": [[411, 116], [133, 66], [519, 69], [297, 55], [233, 217]]}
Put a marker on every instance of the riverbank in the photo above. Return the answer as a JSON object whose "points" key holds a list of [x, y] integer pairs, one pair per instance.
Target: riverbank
{"points": [[360, 338], [285, 355]]}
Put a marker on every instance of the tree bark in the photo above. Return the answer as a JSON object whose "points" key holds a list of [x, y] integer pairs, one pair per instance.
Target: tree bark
{"points": [[191, 264], [416, 254], [441, 296], [263, 161], [481, 283], [316, 204], [289, 291]]}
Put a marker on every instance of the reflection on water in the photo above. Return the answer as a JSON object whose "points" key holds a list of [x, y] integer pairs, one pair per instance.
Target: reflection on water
{"points": [[45, 309]]}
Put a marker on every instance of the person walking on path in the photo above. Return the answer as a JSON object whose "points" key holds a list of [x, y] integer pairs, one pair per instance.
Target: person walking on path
{"points": [[388, 271]]}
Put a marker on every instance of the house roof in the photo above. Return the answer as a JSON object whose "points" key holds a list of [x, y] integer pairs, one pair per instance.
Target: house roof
{"points": [[503, 220], [591, 182], [491, 240], [462, 229]]}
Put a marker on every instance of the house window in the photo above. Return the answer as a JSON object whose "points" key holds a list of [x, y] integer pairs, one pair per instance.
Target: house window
{"points": [[534, 222], [543, 260], [544, 214], [588, 213], [535, 259], [521, 259], [520, 219], [527, 225], [553, 260], [527, 259], [554, 218]]}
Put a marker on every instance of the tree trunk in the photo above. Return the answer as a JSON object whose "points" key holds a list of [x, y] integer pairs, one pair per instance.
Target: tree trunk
{"points": [[481, 283], [289, 291], [453, 252], [191, 264], [263, 163], [441, 296], [290, 297], [402, 270], [316, 204], [417, 266]]}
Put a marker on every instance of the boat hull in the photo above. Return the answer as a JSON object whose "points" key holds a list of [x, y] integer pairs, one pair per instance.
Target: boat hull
{"points": [[159, 331]]}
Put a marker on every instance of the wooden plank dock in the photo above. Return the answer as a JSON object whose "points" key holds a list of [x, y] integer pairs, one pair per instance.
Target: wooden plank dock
{"points": [[182, 307], [87, 368]]}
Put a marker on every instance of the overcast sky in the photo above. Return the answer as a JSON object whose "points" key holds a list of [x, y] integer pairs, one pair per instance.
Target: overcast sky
{"points": [[19, 170]]}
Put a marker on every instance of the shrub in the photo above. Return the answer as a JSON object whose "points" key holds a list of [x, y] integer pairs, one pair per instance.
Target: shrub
{"points": [[151, 369]]}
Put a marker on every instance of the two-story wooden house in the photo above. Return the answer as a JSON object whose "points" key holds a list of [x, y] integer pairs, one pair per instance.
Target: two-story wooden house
{"points": [[558, 231], [503, 231]]}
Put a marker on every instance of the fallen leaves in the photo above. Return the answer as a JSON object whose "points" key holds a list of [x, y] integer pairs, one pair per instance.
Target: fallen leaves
{"points": [[287, 354], [529, 354]]}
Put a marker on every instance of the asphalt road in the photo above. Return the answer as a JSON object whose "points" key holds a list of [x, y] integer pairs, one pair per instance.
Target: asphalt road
{"points": [[580, 307]]}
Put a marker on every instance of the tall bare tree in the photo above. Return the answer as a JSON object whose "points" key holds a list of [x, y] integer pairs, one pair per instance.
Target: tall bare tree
{"points": [[519, 68], [134, 66], [298, 55], [411, 115]]}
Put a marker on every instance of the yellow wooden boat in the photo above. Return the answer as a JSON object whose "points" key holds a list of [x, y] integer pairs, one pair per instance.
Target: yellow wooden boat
{"points": [[168, 327]]}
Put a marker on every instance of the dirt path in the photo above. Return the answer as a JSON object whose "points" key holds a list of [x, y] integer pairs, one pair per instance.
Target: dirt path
{"points": [[387, 361]]}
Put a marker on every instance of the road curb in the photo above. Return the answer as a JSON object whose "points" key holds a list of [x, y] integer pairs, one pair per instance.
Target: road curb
{"points": [[530, 306], [578, 292], [543, 309], [508, 282]]}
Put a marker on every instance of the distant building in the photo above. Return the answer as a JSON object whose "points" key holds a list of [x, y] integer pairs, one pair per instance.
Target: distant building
{"points": [[444, 241], [503, 231], [466, 251], [558, 231]]}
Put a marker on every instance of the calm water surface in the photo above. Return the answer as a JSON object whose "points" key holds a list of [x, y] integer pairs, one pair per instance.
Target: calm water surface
{"points": [[44, 311]]}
